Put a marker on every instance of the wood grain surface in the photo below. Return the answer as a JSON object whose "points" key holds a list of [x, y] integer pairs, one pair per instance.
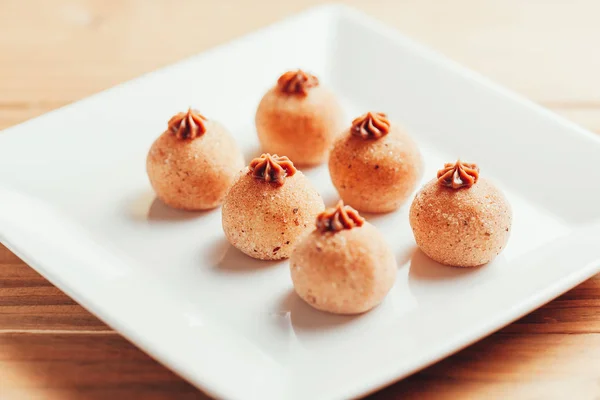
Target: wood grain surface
{"points": [[55, 52]]}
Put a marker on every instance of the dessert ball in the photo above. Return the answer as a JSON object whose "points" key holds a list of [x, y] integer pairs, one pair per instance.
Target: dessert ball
{"points": [[375, 165], [269, 207], [459, 219], [298, 117], [344, 265], [193, 163]]}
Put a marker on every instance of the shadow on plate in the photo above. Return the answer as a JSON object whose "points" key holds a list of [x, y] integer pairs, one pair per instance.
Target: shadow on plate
{"points": [[423, 268], [147, 207], [306, 318], [431, 281], [375, 217], [214, 253], [406, 255], [235, 261], [159, 211]]}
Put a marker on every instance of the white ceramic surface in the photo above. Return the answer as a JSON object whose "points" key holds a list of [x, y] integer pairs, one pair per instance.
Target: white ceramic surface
{"points": [[76, 205]]}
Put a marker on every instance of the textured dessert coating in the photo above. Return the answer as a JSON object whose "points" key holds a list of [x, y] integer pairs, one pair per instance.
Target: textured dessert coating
{"points": [[300, 118], [193, 163], [463, 227], [375, 166], [346, 271], [265, 218]]}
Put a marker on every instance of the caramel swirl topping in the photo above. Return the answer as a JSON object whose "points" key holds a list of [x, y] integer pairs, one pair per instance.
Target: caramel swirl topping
{"points": [[339, 217], [297, 82], [372, 125], [458, 174], [188, 125], [272, 168]]}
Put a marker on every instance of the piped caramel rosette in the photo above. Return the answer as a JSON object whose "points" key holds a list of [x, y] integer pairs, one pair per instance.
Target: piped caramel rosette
{"points": [[371, 125], [297, 82], [188, 125], [459, 174], [272, 168], [338, 218]]}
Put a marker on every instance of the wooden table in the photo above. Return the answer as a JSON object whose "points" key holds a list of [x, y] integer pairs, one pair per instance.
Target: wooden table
{"points": [[56, 52]]}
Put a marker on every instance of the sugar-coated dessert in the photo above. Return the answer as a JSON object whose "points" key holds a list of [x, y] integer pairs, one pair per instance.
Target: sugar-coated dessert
{"points": [[269, 207], [193, 163], [460, 219], [299, 117], [344, 266], [375, 165]]}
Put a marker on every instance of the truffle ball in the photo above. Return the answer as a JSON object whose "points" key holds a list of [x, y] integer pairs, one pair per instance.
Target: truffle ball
{"points": [[343, 266], [269, 207], [375, 165], [459, 219], [300, 118], [193, 163]]}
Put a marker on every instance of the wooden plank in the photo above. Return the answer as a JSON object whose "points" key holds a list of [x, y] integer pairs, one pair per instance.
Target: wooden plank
{"points": [[68, 366], [15, 113], [510, 366], [28, 301], [588, 116], [540, 49], [503, 365]]}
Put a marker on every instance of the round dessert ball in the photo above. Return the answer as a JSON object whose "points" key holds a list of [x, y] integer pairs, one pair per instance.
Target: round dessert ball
{"points": [[459, 219], [269, 207], [300, 118], [344, 265], [375, 165], [193, 163]]}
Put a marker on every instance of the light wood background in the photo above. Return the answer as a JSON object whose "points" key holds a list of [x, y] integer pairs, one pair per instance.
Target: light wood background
{"points": [[55, 52]]}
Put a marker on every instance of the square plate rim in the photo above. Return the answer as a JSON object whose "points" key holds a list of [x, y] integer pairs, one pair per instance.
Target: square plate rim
{"points": [[389, 376]]}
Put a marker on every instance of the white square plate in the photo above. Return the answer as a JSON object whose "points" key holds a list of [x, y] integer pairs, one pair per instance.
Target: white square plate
{"points": [[76, 205]]}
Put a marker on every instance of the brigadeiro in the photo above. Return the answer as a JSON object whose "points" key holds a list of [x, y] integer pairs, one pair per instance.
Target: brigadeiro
{"points": [[299, 117], [194, 162], [269, 207], [375, 165], [459, 218], [344, 266]]}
